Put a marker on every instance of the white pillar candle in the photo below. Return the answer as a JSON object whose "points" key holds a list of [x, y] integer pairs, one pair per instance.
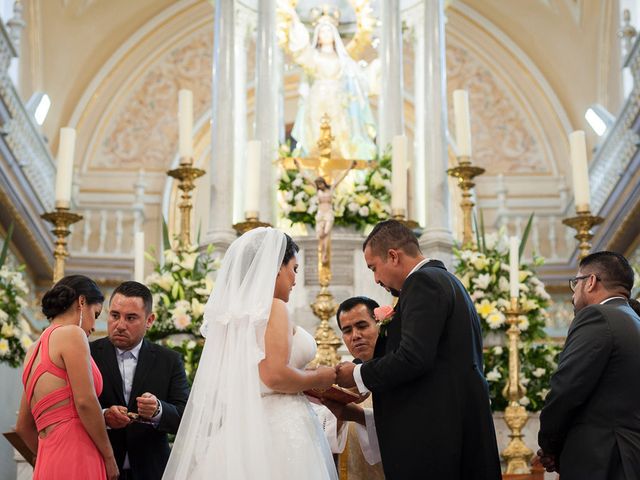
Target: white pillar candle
{"points": [[514, 267], [185, 123], [138, 257], [64, 175], [462, 122], [399, 173], [252, 175], [580, 169]]}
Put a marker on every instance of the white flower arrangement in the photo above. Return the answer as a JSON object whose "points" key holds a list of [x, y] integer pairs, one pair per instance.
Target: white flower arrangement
{"points": [[362, 199], [15, 336], [485, 274]]}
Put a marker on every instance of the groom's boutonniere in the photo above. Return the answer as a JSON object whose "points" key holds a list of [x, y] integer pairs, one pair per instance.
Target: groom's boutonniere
{"points": [[383, 316]]}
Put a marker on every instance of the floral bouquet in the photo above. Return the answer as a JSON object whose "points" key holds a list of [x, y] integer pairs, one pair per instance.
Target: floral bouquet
{"points": [[361, 199], [485, 275], [180, 287], [15, 338]]}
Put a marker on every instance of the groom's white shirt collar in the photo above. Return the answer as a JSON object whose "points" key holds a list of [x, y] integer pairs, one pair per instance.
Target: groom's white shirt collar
{"points": [[419, 265]]}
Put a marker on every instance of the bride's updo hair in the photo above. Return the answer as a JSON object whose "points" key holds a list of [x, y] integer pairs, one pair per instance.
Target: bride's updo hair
{"points": [[68, 290], [290, 250]]}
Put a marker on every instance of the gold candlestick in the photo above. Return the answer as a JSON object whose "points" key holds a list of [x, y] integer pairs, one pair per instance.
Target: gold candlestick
{"points": [[517, 454], [399, 214], [465, 173], [61, 219], [582, 223], [186, 174], [251, 221]]}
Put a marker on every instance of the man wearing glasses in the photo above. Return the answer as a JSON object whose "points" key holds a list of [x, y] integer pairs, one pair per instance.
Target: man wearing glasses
{"points": [[590, 424]]}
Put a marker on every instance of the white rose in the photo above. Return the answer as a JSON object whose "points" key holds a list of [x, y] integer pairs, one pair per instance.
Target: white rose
{"points": [[497, 350], [288, 196], [538, 372], [494, 375], [297, 182], [181, 320], [524, 401], [353, 207], [364, 211]]}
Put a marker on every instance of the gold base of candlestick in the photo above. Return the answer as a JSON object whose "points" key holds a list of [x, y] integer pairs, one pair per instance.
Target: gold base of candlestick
{"points": [[516, 454], [186, 175], [400, 216], [249, 224], [465, 173], [324, 307], [583, 223], [61, 219]]}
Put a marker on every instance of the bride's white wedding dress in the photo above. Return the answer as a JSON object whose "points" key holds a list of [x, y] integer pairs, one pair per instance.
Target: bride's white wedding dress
{"points": [[297, 442], [234, 427]]}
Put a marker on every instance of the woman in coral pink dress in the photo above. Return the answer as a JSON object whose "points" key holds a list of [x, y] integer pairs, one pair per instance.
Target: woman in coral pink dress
{"points": [[60, 416]]}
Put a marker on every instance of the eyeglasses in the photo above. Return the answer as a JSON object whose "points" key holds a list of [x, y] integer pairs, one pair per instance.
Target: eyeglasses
{"points": [[573, 282]]}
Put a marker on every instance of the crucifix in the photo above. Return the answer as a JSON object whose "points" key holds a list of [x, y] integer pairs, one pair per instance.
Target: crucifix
{"points": [[330, 172]]}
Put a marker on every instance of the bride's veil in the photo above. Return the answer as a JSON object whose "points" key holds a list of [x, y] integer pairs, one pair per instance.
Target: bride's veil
{"points": [[223, 433]]}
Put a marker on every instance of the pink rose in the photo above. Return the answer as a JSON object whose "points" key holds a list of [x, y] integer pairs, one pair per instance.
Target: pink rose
{"points": [[383, 313]]}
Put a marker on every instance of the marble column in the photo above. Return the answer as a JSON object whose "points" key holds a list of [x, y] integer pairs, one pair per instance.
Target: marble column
{"points": [[390, 106], [267, 105], [243, 29], [437, 239], [220, 231], [418, 169]]}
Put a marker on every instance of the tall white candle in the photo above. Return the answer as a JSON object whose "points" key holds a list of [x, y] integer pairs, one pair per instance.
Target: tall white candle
{"points": [[185, 123], [138, 257], [399, 173], [580, 169], [462, 122], [252, 174], [514, 267], [64, 175]]}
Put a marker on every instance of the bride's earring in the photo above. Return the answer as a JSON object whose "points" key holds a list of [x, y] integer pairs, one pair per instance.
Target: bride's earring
{"points": [[81, 313]]}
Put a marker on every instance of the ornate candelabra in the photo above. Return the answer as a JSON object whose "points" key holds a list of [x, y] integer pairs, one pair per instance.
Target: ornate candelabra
{"points": [[400, 215], [61, 219], [465, 173], [583, 222], [251, 221], [186, 174], [516, 454], [324, 307]]}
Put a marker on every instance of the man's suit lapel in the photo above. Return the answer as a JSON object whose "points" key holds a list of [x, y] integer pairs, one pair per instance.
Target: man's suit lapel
{"points": [[110, 359], [146, 360]]}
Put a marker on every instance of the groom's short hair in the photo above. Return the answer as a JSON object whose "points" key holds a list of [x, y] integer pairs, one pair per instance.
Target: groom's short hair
{"points": [[392, 234]]}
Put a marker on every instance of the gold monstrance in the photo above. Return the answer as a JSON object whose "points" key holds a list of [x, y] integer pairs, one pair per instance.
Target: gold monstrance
{"points": [[324, 306]]}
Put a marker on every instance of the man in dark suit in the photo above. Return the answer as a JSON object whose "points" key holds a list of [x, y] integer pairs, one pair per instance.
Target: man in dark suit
{"points": [[140, 377], [430, 398], [590, 424]]}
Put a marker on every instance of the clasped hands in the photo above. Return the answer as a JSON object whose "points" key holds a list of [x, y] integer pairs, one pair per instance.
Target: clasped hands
{"points": [[116, 415]]}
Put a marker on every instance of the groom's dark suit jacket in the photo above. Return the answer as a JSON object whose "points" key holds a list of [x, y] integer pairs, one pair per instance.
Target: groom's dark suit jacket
{"points": [[159, 371], [591, 417], [431, 400]]}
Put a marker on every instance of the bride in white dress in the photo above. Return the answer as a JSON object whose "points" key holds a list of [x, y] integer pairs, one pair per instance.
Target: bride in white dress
{"points": [[246, 417]]}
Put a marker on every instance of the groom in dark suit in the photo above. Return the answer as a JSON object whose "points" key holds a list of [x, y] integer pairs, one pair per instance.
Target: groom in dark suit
{"points": [[140, 377], [590, 424], [431, 400]]}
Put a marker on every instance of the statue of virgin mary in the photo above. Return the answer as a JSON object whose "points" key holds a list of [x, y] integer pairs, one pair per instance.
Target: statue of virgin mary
{"points": [[333, 84]]}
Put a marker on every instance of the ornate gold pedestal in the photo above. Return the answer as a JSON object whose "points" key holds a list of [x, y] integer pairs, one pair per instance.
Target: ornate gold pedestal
{"points": [[186, 175], [516, 454], [251, 221], [465, 173], [399, 214], [61, 219], [583, 222]]}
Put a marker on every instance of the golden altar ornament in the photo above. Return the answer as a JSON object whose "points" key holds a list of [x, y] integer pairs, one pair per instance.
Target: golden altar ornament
{"points": [[186, 175], [465, 173], [61, 219], [516, 454], [582, 223]]}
